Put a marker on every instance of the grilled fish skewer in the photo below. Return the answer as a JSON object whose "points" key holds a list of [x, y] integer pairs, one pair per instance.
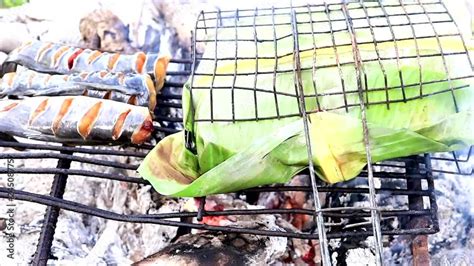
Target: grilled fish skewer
{"points": [[63, 59], [75, 119], [136, 89]]}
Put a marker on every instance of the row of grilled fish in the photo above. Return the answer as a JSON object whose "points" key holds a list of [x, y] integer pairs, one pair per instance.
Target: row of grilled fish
{"points": [[58, 58], [135, 89], [119, 88], [76, 119]]}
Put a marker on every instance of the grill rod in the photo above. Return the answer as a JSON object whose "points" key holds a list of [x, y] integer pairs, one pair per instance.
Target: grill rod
{"points": [[43, 248], [161, 219], [419, 245], [323, 242], [375, 217]]}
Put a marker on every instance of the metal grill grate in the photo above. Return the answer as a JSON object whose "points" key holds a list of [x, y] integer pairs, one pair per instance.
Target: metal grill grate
{"points": [[407, 180]]}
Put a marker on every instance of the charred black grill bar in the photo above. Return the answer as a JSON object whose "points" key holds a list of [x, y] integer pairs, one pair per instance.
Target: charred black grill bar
{"points": [[342, 212], [43, 252]]}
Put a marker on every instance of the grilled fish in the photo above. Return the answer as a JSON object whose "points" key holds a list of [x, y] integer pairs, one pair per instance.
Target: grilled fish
{"points": [[136, 89], [63, 59], [75, 119]]}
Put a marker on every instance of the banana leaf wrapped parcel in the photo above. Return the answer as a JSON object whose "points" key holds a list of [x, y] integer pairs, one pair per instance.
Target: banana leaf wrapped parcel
{"points": [[245, 117]]}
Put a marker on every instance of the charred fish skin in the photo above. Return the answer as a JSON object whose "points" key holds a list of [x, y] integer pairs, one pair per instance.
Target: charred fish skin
{"points": [[157, 65], [27, 56], [101, 62], [136, 89], [82, 60], [31, 83], [65, 62], [45, 54], [63, 59], [75, 119], [123, 63], [43, 120], [14, 118], [66, 122]]}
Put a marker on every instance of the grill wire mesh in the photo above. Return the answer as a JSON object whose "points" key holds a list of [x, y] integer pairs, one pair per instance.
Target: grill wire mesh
{"points": [[407, 180], [350, 26]]}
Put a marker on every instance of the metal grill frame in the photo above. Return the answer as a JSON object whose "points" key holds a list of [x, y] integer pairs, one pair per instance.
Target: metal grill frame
{"points": [[416, 170]]}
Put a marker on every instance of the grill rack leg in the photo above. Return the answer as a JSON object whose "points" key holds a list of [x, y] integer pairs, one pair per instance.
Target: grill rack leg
{"points": [[419, 244], [201, 208], [43, 249]]}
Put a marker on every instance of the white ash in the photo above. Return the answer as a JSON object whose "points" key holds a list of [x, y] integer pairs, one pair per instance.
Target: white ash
{"points": [[80, 238], [455, 209], [37, 20], [14, 34], [28, 216], [283, 251], [157, 237], [455, 216], [250, 249], [112, 242], [360, 256], [182, 17], [293, 199]]}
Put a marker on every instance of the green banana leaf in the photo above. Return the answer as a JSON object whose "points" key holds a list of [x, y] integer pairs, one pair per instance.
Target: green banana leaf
{"points": [[236, 155]]}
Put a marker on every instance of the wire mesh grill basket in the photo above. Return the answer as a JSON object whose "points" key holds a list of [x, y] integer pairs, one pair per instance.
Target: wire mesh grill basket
{"points": [[350, 27], [347, 37], [325, 57]]}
